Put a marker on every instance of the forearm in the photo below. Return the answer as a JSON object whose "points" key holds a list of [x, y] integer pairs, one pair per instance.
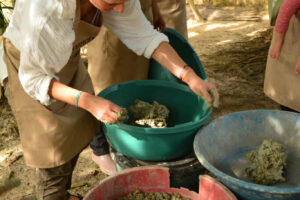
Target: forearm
{"points": [[64, 93], [168, 57], [279, 37], [154, 6]]}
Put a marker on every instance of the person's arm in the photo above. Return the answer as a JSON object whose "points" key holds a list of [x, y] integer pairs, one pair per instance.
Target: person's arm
{"points": [[278, 43], [287, 10], [102, 109], [46, 56], [138, 34], [158, 21], [167, 57]]}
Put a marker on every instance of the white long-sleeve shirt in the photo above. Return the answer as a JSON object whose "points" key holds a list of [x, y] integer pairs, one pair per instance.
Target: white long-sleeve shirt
{"points": [[43, 33]]}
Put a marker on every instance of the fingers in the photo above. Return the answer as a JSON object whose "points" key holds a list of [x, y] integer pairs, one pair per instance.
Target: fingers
{"points": [[160, 27], [159, 24], [108, 118], [211, 97], [114, 116], [207, 98], [215, 96], [122, 115], [110, 115], [274, 54]]}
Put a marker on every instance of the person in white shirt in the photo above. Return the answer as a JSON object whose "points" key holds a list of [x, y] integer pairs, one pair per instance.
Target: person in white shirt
{"points": [[107, 50], [49, 89]]}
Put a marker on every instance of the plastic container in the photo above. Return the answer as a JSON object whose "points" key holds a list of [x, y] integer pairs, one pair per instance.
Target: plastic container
{"points": [[186, 52], [222, 145], [187, 113], [155, 179]]}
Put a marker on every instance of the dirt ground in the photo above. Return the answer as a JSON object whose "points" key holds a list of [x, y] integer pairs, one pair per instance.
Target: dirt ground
{"points": [[232, 45]]}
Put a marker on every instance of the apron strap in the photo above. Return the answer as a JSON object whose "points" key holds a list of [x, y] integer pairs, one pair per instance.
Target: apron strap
{"points": [[96, 17]]}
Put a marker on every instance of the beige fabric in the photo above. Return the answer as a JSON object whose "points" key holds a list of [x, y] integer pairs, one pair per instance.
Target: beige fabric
{"points": [[52, 136], [111, 62], [174, 14], [281, 82]]}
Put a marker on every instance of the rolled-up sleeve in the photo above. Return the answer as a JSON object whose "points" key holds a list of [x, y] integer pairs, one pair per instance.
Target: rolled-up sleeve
{"points": [[35, 80], [133, 29], [45, 45]]}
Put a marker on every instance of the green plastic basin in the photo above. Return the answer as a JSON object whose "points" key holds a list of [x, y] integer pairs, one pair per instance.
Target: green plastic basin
{"points": [[187, 113]]}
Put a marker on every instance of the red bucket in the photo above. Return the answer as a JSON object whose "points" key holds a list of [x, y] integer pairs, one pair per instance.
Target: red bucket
{"points": [[155, 179]]}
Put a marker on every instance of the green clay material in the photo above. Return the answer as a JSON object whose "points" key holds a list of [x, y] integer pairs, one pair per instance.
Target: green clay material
{"points": [[139, 195], [214, 94], [122, 115], [267, 165], [149, 115]]}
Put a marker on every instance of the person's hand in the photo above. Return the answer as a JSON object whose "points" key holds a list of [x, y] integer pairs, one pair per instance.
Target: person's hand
{"points": [[102, 109], [276, 49], [297, 68], [158, 21], [205, 90]]}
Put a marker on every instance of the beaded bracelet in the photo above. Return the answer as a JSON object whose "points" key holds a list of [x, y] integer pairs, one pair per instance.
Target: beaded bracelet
{"points": [[77, 99]]}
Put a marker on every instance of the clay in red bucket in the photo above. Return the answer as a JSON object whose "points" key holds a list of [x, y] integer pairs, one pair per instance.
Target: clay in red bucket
{"points": [[155, 179]]}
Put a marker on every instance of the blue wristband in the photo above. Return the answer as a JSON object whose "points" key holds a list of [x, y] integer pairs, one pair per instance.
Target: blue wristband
{"points": [[77, 99]]}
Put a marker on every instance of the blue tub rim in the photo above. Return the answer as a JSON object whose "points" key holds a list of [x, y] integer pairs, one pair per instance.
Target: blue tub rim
{"points": [[247, 185], [159, 131]]}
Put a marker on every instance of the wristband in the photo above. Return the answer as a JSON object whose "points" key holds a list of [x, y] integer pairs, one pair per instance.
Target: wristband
{"points": [[181, 72], [186, 73], [77, 99]]}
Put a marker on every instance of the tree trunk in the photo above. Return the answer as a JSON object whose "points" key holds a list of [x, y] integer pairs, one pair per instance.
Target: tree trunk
{"points": [[195, 11]]}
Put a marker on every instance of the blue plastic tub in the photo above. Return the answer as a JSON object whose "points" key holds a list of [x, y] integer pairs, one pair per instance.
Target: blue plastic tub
{"points": [[221, 147]]}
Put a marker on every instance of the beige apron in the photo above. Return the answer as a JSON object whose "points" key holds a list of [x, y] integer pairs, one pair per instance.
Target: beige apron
{"points": [[174, 14], [52, 136], [111, 62], [281, 82]]}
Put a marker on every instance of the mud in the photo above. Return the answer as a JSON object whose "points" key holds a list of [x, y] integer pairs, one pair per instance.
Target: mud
{"points": [[149, 115], [267, 165], [139, 195]]}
